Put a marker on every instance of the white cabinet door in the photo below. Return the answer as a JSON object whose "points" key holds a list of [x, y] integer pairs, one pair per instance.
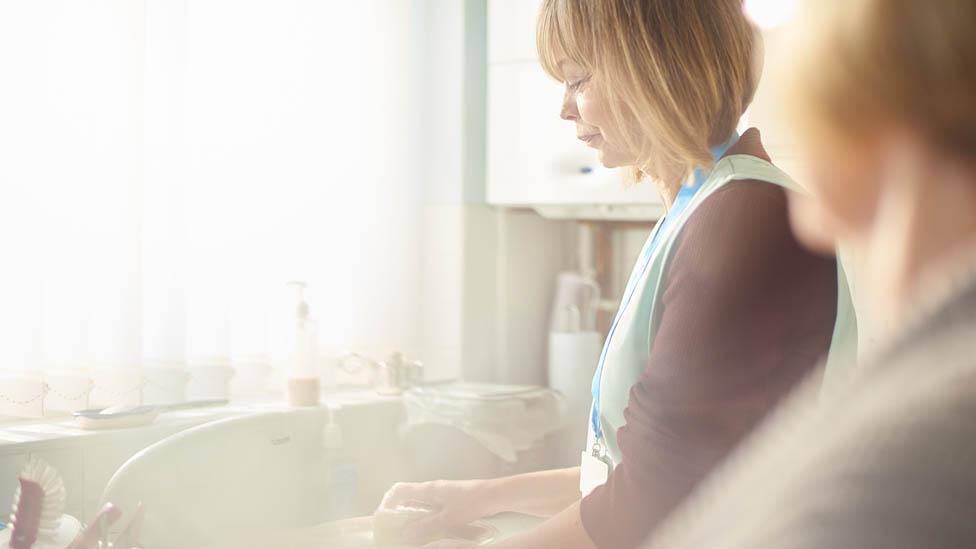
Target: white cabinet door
{"points": [[511, 30], [534, 157]]}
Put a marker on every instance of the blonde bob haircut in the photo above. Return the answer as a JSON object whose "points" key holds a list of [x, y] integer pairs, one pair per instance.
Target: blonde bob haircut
{"points": [[678, 73], [860, 67]]}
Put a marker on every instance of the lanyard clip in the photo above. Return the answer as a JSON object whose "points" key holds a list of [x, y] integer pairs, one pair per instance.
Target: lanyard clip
{"points": [[598, 451]]}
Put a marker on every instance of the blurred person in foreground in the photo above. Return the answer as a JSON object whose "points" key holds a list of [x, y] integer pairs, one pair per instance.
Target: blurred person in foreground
{"points": [[883, 96]]}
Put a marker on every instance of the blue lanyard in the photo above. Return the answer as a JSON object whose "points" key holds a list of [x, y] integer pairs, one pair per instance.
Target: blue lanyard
{"points": [[680, 203]]}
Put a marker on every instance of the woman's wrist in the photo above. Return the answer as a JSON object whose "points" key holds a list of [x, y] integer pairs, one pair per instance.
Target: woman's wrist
{"points": [[493, 496], [542, 493]]}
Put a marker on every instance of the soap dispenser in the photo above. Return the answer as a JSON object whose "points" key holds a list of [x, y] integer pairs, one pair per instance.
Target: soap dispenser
{"points": [[303, 383]]}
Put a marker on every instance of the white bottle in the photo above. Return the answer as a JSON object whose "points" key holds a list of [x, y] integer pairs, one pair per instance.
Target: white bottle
{"points": [[303, 383], [574, 351]]}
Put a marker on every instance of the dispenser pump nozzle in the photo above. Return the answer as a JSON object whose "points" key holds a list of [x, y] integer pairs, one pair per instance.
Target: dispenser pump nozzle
{"points": [[301, 306]]}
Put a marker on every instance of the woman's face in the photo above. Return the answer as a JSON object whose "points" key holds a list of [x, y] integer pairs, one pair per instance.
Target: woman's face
{"points": [[587, 106]]}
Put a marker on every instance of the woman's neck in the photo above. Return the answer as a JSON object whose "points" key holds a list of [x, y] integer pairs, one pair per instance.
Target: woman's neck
{"points": [[668, 191], [924, 227], [668, 186]]}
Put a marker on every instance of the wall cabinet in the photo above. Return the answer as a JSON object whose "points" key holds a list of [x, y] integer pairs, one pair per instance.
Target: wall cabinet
{"points": [[511, 28]]}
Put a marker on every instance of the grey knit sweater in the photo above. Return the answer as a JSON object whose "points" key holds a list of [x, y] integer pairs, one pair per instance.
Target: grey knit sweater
{"points": [[887, 461]]}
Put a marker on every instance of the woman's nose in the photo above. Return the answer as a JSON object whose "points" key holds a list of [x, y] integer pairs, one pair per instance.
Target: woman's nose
{"points": [[569, 110]]}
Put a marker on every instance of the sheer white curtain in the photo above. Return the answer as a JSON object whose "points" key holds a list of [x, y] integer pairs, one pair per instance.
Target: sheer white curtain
{"points": [[166, 166]]}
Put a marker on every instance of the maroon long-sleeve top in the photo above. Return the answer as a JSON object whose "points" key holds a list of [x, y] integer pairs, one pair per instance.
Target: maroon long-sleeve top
{"points": [[747, 313]]}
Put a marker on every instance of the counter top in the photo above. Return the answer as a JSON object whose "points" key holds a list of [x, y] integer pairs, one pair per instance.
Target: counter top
{"points": [[18, 434]]}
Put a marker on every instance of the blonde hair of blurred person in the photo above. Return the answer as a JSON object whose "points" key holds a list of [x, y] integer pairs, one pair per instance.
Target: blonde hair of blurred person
{"points": [[883, 93]]}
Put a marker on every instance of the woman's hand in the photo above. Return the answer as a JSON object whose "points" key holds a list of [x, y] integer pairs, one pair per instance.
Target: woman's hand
{"points": [[458, 502], [455, 503]]}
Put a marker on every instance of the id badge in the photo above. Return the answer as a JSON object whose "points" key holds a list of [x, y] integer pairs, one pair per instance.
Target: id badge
{"points": [[594, 471]]}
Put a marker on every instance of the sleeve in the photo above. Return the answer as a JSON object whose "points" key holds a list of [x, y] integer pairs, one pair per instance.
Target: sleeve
{"points": [[746, 314]]}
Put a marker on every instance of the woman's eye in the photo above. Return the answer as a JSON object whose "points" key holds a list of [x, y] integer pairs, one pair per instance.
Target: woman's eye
{"points": [[575, 85]]}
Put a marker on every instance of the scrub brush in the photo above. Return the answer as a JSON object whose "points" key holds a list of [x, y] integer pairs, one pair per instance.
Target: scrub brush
{"points": [[38, 509], [26, 516]]}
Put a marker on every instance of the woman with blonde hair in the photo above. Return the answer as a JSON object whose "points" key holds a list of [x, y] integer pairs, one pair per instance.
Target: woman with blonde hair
{"points": [[883, 96], [724, 310]]}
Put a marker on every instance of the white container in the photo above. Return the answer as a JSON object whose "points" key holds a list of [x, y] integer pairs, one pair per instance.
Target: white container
{"points": [[573, 357], [164, 385], [209, 381], [303, 385]]}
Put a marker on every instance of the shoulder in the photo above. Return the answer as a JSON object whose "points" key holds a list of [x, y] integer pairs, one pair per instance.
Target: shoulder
{"points": [[736, 217], [738, 197], [742, 204]]}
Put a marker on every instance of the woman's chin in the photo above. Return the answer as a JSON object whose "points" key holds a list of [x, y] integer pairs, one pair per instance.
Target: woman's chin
{"points": [[609, 161]]}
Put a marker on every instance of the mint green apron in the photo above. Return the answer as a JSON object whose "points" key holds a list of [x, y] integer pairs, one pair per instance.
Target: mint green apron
{"points": [[628, 350]]}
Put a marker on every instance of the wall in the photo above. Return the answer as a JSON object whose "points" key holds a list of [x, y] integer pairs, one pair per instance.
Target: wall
{"points": [[488, 272]]}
